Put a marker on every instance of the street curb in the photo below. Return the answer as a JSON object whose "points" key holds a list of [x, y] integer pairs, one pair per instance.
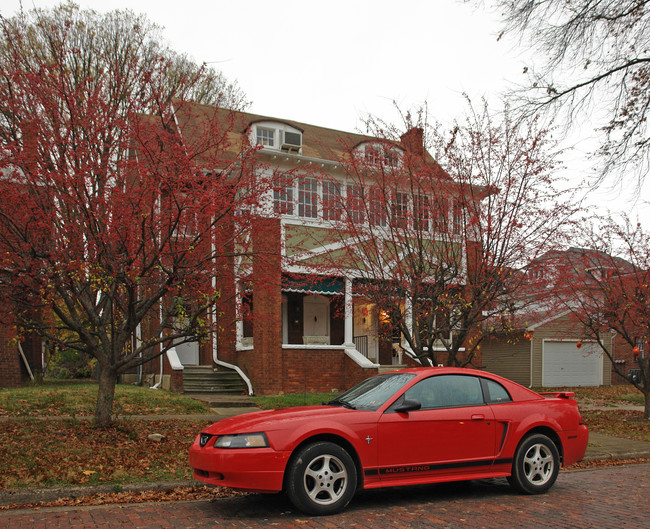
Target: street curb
{"points": [[45, 495], [617, 457]]}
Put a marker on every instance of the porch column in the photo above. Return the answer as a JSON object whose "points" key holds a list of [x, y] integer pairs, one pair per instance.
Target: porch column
{"points": [[408, 321], [349, 315], [408, 314]]}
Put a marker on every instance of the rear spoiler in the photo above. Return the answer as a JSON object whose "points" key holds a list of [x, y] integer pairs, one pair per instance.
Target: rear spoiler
{"points": [[559, 394]]}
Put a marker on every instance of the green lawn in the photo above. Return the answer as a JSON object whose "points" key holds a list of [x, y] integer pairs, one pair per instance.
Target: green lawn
{"points": [[269, 402], [57, 398]]}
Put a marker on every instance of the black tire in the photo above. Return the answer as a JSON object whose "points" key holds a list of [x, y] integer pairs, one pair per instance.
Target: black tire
{"points": [[321, 478], [536, 465]]}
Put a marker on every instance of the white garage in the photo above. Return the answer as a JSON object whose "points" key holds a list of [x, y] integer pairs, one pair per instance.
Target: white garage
{"points": [[564, 364]]}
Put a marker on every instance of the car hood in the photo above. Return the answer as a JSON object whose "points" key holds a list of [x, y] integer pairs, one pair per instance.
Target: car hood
{"points": [[269, 420]]}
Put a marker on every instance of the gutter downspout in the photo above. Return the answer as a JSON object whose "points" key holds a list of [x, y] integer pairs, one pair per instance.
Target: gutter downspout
{"points": [[231, 366], [158, 384]]}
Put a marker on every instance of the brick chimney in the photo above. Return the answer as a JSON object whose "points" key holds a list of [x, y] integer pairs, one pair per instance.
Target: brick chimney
{"points": [[413, 140]]}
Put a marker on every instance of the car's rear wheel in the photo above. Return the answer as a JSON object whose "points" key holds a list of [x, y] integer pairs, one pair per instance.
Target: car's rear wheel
{"points": [[536, 465], [321, 478]]}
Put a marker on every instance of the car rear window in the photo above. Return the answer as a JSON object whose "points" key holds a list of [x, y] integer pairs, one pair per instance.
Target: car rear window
{"points": [[496, 393]]}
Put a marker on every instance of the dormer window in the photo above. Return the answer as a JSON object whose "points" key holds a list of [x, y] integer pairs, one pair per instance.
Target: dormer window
{"points": [[265, 137], [277, 135], [379, 154]]}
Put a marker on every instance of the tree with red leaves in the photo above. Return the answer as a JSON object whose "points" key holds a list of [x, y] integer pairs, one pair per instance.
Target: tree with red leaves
{"points": [[606, 287], [436, 242], [120, 205]]}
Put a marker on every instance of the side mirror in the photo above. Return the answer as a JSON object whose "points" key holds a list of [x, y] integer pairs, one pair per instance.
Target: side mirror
{"points": [[407, 405]]}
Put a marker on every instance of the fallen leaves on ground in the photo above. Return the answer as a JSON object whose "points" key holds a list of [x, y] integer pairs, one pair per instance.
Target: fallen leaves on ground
{"points": [[606, 463], [38, 453], [143, 496], [628, 424]]}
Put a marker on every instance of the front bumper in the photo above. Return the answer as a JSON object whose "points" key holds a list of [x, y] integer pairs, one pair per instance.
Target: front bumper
{"points": [[250, 469]]}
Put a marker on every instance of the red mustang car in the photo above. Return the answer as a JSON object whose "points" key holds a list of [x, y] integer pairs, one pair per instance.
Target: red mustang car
{"points": [[405, 427]]}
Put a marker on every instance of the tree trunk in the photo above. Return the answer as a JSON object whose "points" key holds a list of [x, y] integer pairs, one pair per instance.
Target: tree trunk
{"points": [[105, 396], [646, 411]]}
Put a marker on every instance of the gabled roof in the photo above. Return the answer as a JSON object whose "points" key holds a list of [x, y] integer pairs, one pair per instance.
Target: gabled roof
{"points": [[319, 143], [583, 257]]}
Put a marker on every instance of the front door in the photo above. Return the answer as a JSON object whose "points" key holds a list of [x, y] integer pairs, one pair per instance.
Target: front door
{"points": [[316, 316], [188, 353]]}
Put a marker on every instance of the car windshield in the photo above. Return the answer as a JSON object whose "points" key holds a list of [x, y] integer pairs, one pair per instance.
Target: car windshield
{"points": [[372, 392]]}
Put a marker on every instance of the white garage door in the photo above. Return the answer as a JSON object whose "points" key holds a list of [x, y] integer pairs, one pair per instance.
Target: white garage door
{"points": [[566, 365]]}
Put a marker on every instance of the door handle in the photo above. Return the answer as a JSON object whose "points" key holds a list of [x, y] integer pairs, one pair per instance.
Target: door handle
{"points": [[478, 417]]}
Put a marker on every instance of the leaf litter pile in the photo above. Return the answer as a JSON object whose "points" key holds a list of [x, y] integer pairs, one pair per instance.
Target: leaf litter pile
{"points": [[46, 453], [62, 453]]}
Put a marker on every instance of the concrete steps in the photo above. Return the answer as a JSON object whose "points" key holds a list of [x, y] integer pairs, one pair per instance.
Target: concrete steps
{"points": [[386, 368], [204, 379]]}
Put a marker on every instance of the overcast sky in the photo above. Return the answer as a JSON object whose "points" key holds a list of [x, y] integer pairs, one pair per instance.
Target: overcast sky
{"points": [[330, 63]]}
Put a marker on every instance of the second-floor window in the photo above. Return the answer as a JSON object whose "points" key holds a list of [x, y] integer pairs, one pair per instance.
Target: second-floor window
{"points": [[440, 212], [354, 203], [400, 210], [332, 205], [376, 207], [283, 198], [308, 198], [421, 213], [457, 218]]}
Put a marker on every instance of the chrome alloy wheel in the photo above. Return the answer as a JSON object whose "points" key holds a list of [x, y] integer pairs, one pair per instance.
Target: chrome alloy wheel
{"points": [[539, 464], [326, 479]]}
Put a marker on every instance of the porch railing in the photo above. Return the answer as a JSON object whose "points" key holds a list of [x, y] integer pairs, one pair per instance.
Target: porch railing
{"points": [[361, 344]]}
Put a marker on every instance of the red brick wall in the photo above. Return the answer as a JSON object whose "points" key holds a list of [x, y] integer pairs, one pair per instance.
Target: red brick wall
{"points": [[306, 370], [10, 372], [266, 370], [320, 370], [226, 305], [13, 372]]}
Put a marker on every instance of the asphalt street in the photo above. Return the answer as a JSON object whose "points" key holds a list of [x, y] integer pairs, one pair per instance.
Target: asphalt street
{"points": [[604, 497]]}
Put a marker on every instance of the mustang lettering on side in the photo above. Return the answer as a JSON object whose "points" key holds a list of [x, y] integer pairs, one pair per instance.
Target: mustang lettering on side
{"points": [[426, 425]]}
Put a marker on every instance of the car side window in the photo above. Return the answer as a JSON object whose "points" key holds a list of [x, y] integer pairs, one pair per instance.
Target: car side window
{"points": [[496, 393], [447, 391]]}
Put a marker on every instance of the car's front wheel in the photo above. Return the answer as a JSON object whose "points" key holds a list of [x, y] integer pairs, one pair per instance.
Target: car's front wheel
{"points": [[321, 478], [536, 465]]}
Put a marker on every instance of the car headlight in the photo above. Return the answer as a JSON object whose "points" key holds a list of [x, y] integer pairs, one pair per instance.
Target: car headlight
{"points": [[242, 440]]}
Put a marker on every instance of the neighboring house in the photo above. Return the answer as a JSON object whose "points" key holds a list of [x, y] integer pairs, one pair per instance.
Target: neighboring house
{"points": [[310, 330], [549, 347], [21, 357], [548, 350]]}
